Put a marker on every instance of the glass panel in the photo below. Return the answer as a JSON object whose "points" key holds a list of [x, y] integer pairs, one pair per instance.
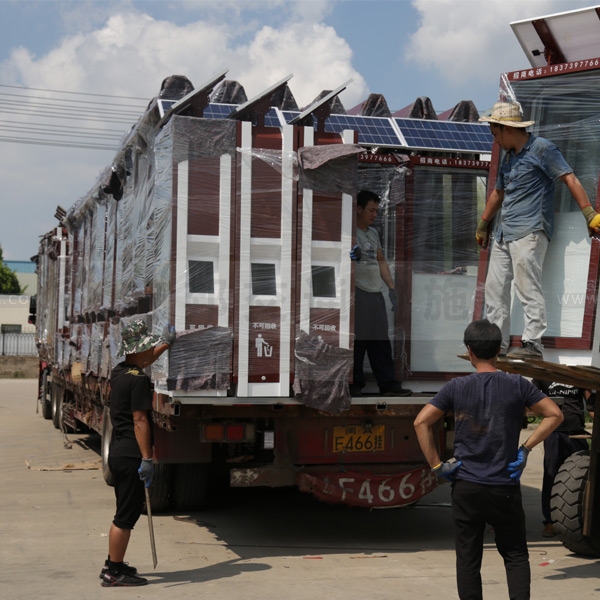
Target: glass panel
{"points": [[323, 282], [263, 279], [446, 206], [201, 275]]}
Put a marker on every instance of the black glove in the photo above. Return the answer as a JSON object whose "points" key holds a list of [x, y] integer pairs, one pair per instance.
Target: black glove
{"points": [[448, 469], [146, 471], [393, 298], [516, 468], [356, 253]]}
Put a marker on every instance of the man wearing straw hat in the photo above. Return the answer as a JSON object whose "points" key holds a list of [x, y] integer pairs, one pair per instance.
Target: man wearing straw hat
{"points": [[130, 452], [523, 200]]}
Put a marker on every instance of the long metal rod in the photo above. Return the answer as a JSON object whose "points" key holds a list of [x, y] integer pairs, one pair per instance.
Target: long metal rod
{"points": [[151, 527]]}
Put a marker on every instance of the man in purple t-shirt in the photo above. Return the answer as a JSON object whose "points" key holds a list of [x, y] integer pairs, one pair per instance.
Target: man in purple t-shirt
{"points": [[488, 408]]}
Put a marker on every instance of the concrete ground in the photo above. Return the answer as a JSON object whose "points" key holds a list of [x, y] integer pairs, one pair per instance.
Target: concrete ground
{"points": [[251, 544]]}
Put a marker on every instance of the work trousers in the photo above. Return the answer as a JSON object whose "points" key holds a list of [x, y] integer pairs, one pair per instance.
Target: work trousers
{"points": [[501, 506], [520, 261], [558, 446], [371, 338]]}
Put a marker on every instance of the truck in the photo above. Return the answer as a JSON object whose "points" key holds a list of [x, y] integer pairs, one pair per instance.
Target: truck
{"points": [[232, 220]]}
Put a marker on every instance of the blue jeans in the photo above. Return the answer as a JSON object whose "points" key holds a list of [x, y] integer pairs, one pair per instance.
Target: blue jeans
{"points": [[520, 261], [474, 505]]}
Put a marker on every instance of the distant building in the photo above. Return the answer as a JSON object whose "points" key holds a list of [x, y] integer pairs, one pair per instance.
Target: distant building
{"points": [[14, 308], [25, 271]]}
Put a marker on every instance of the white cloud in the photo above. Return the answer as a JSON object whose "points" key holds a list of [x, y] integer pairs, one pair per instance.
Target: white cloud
{"points": [[129, 54], [471, 40], [132, 52]]}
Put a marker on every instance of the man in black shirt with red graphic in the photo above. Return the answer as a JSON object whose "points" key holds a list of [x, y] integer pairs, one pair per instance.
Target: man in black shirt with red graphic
{"points": [[560, 444], [130, 452]]}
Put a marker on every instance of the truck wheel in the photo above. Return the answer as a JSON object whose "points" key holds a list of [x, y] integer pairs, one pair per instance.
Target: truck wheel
{"points": [[46, 404], [160, 490], [105, 445], [57, 400], [567, 505], [190, 486]]}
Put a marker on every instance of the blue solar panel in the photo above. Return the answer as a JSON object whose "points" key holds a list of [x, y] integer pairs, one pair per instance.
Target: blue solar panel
{"points": [[446, 135], [218, 111], [372, 131]]}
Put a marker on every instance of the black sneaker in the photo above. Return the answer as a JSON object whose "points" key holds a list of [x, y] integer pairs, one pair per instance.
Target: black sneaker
{"points": [[396, 391], [122, 580], [528, 350], [355, 390], [128, 570]]}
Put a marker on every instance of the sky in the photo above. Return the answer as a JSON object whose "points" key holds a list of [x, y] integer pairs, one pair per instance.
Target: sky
{"points": [[91, 67]]}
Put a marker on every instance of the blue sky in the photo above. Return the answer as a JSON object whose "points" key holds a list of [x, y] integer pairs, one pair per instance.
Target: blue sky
{"points": [[448, 50]]}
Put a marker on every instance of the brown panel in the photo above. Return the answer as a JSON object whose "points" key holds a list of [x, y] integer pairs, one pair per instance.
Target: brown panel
{"points": [[327, 219], [266, 189], [266, 201], [264, 344], [200, 316], [325, 323], [203, 190]]}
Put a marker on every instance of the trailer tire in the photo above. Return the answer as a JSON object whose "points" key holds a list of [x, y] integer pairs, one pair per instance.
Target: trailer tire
{"points": [[160, 490], [190, 486], [46, 404], [105, 446], [566, 503]]}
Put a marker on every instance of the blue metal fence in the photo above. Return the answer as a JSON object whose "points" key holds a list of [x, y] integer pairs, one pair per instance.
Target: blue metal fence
{"points": [[17, 344]]}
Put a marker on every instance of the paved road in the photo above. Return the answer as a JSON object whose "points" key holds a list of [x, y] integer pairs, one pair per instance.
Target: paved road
{"points": [[253, 544]]}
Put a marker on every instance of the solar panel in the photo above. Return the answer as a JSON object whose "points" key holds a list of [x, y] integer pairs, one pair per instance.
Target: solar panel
{"points": [[445, 135], [372, 131], [218, 111], [164, 106]]}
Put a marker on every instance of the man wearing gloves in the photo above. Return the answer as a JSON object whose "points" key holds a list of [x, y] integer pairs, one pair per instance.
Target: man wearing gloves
{"points": [[488, 408], [523, 199], [370, 315], [130, 452]]}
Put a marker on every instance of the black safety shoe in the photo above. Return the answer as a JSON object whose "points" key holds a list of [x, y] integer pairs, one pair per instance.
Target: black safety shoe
{"points": [[128, 570], [121, 580], [396, 391]]}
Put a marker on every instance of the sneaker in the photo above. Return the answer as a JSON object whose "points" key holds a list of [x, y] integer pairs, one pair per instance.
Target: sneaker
{"points": [[121, 580], [397, 390], [528, 350], [128, 570], [355, 390], [548, 530]]}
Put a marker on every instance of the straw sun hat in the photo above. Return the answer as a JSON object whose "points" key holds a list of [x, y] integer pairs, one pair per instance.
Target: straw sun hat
{"points": [[506, 113]]}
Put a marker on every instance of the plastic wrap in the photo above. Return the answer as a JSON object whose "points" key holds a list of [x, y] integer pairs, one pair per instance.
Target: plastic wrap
{"points": [[201, 360], [322, 374]]}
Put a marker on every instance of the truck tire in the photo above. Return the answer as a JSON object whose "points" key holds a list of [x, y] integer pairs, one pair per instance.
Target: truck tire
{"points": [[190, 486], [160, 490], [105, 445], [567, 505], [56, 399], [46, 403]]}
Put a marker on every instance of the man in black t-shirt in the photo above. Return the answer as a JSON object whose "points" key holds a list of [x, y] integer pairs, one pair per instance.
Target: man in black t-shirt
{"points": [[488, 408], [130, 452], [560, 444]]}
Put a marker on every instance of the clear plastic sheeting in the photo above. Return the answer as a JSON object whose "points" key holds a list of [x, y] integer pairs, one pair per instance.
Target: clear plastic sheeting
{"points": [[322, 374], [201, 360]]}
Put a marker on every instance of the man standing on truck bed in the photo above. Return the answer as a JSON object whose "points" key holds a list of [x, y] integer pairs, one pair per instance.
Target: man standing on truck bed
{"points": [[370, 315], [524, 200], [130, 452], [488, 409]]}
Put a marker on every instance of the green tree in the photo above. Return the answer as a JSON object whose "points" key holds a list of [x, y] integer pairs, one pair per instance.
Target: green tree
{"points": [[9, 284]]}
